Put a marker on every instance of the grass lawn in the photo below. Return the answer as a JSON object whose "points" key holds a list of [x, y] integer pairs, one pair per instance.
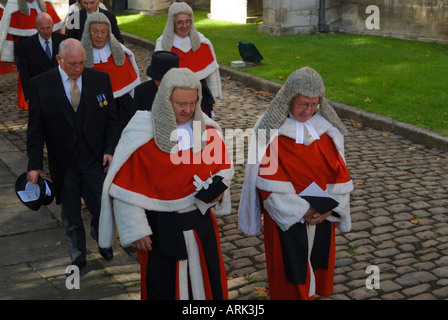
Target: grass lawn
{"points": [[405, 80]]}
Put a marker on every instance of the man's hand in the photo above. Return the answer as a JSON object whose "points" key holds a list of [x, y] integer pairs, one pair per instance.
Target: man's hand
{"points": [[107, 159], [143, 244], [317, 217], [218, 198], [33, 175]]}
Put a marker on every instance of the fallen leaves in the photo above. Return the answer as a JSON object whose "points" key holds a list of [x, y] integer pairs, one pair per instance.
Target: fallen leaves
{"points": [[356, 124], [58, 244], [260, 292]]}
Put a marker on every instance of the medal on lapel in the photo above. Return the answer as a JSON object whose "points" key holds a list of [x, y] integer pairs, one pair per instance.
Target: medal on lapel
{"points": [[104, 99], [100, 100]]}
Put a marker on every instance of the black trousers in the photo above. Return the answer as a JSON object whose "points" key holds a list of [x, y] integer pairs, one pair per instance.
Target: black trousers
{"points": [[83, 179]]}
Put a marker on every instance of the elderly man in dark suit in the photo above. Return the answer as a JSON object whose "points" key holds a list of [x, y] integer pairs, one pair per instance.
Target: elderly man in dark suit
{"points": [[90, 6], [77, 120], [38, 52]]}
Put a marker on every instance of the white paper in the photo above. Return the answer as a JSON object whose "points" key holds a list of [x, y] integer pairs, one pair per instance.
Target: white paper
{"points": [[47, 189], [313, 190], [202, 206], [31, 192]]}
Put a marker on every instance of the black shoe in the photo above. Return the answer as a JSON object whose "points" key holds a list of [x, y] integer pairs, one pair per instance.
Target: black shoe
{"points": [[106, 253]]}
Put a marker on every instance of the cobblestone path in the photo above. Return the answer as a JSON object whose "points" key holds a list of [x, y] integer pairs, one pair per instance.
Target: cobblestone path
{"points": [[399, 205]]}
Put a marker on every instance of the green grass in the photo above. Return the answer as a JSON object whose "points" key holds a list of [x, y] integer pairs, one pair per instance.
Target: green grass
{"points": [[402, 79]]}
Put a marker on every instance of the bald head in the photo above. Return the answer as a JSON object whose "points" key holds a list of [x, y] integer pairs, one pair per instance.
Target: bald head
{"points": [[44, 25], [71, 57]]}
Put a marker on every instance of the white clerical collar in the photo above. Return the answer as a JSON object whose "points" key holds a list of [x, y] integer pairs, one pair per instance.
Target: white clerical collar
{"points": [[300, 130], [102, 55], [184, 136], [183, 44], [33, 5]]}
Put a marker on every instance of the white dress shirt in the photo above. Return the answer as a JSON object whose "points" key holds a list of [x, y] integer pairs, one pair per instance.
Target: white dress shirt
{"points": [[66, 82], [44, 45]]}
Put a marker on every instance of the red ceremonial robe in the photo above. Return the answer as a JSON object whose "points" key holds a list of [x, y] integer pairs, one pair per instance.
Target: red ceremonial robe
{"points": [[301, 165], [123, 78], [4, 68], [22, 25], [163, 178], [197, 60]]}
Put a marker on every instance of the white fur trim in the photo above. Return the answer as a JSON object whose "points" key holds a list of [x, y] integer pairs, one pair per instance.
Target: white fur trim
{"points": [[136, 82], [183, 280], [286, 209], [275, 186], [194, 263], [10, 8], [140, 132], [311, 232], [150, 203], [131, 220], [22, 32], [7, 54]]}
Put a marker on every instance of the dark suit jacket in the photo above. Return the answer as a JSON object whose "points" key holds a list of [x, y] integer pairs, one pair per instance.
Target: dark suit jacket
{"points": [[51, 121], [144, 95], [33, 60], [77, 33]]}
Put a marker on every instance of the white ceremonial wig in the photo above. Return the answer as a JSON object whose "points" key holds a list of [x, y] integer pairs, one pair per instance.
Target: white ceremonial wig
{"points": [[164, 120], [307, 82], [115, 46], [168, 33]]}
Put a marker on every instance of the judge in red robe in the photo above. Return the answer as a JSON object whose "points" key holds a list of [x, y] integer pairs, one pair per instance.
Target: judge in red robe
{"points": [[17, 24], [7, 67], [195, 52], [297, 151], [105, 53], [166, 157]]}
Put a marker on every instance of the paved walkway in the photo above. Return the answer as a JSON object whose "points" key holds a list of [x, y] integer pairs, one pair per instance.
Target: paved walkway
{"points": [[399, 213]]}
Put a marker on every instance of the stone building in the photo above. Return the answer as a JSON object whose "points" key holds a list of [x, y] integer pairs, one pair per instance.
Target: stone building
{"points": [[413, 19]]}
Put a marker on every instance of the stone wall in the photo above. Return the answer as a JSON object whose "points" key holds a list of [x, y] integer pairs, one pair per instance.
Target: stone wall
{"points": [[239, 11], [162, 6], [150, 6], [414, 19]]}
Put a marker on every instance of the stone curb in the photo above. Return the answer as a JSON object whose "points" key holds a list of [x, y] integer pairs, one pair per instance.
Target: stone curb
{"points": [[367, 119]]}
